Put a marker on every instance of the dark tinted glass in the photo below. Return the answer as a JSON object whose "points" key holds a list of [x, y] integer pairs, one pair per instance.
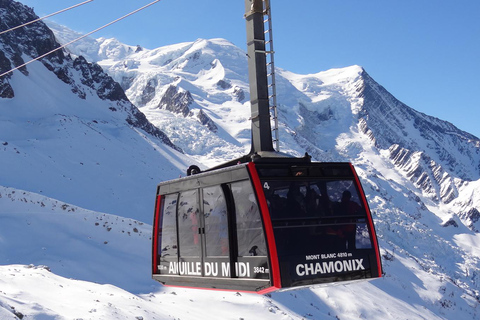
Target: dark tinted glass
{"points": [[168, 231], [327, 198], [188, 224], [216, 223], [320, 229], [311, 215], [250, 237]]}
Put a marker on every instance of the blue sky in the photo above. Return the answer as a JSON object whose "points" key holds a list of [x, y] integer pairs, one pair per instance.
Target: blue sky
{"points": [[426, 53]]}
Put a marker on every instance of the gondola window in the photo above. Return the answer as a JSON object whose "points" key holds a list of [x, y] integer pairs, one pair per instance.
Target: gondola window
{"points": [[216, 222], [168, 232], [189, 224], [250, 237]]}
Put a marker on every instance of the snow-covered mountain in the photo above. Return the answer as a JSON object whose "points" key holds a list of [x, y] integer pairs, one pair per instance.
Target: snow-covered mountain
{"points": [[200, 89], [81, 155], [68, 130]]}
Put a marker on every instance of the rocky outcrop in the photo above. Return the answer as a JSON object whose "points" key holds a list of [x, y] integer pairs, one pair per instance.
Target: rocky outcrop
{"points": [[37, 39], [206, 121], [431, 152], [239, 94], [148, 92], [176, 102], [472, 219], [6, 90]]}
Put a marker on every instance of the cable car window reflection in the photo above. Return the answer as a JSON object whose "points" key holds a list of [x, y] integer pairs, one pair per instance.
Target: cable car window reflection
{"points": [[344, 196], [362, 237], [305, 213], [216, 223], [168, 232], [250, 237], [296, 199], [188, 224]]}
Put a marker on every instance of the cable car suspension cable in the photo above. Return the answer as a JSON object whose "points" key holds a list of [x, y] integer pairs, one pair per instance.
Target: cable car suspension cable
{"points": [[79, 38], [45, 17]]}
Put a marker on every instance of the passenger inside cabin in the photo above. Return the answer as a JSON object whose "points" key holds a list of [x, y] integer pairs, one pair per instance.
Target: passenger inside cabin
{"points": [[347, 206]]}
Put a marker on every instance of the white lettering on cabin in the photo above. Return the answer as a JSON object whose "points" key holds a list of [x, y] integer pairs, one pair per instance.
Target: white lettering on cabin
{"points": [[173, 268], [210, 269], [242, 269], [307, 269], [185, 268], [225, 269]]}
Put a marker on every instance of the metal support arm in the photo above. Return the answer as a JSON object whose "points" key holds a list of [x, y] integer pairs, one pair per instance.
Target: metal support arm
{"points": [[257, 74]]}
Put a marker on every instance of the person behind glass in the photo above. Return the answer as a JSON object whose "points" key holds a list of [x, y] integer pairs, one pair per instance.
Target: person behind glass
{"points": [[349, 207]]}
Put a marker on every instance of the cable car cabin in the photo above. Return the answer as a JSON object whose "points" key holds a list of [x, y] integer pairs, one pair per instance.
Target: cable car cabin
{"points": [[263, 226]]}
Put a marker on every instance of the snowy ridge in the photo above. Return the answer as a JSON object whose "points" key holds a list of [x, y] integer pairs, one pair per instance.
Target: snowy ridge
{"points": [[83, 165], [66, 117]]}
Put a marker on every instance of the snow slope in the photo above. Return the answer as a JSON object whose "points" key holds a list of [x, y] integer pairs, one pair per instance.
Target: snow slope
{"points": [[68, 131], [79, 150], [91, 265], [77, 188]]}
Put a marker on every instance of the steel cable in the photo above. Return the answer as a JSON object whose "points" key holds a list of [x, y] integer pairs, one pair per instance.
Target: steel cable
{"points": [[79, 38]]}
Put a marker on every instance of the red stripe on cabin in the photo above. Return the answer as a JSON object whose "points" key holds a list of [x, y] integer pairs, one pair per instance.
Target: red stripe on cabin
{"points": [[370, 221], [267, 222], [156, 222]]}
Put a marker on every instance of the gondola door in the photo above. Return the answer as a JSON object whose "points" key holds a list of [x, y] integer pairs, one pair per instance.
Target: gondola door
{"points": [[215, 233], [208, 232], [251, 259], [189, 227], [233, 237], [203, 233]]}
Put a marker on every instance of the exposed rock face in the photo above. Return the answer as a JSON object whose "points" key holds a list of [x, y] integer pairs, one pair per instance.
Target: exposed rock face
{"points": [[239, 94], [149, 91], [179, 102], [223, 84], [176, 102], [37, 39], [206, 121], [94, 78], [472, 217], [6, 90], [431, 152]]}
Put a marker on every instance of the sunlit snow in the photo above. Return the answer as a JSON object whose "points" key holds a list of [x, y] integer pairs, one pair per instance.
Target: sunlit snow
{"points": [[78, 185]]}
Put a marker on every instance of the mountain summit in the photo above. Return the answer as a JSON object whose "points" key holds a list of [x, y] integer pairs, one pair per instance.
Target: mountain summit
{"points": [[201, 89]]}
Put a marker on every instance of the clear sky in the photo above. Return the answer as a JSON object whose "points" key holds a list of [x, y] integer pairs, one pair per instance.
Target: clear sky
{"points": [[425, 52]]}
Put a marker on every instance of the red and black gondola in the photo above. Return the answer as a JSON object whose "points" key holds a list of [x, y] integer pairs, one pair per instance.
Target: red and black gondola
{"points": [[266, 221], [265, 225]]}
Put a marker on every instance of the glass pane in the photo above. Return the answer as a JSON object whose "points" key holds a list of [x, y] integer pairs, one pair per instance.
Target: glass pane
{"points": [[250, 238], [316, 216], [168, 228], [188, 224], [216, 223], [362, 237], [310, 199], [344, 197]]}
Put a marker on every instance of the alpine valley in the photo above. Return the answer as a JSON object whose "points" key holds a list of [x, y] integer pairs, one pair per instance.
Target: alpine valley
{"points": [[86, 134]]}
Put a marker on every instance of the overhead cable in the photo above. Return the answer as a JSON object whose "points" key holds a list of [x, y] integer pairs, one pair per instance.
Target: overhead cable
{"points": [[79, 38], [45, 17]]}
